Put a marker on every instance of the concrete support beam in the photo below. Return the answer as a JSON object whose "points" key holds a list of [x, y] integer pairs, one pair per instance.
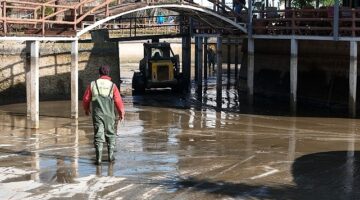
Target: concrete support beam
{"points": [[250, 71], [336, 20], [186, 61], [219, 72], [352, 78], [28, 78], [228, 60], [74, 79], [199, 62], [119, 60], [293, 74], [196, 57], [34, 85], [206, 67], [250, 19], [236, 61]]}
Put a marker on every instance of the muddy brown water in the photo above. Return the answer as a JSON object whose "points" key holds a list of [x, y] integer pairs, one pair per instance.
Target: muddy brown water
{"points": [[177, 147]]}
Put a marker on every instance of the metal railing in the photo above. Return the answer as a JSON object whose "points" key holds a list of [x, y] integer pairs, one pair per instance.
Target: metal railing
{"points": [[315, 22]]}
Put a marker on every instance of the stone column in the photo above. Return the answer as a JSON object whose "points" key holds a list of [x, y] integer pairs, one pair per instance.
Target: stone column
{"points": [[34, 87], [199, 63], [352, 78], [186, 61], [74, 79], [250, 71], [293, 74], [219, 72]]}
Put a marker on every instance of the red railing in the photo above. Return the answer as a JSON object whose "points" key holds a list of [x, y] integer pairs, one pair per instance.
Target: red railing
{"points": [[43, 16]]}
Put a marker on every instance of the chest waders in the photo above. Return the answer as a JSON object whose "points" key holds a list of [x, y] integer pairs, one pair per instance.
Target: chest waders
{"points": [[103, 114]]}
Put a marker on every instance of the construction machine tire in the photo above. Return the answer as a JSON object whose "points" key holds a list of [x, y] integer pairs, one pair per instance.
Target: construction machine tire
{"points": [[138, 83], [179, 87]]}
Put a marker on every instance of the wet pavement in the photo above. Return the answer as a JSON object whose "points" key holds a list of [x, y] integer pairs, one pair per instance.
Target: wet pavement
{"points": [[180, 153], [175, 146]]}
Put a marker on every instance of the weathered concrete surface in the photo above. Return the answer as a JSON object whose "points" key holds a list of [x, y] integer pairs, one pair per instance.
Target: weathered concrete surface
{"points": [[166, 153], [55, 63], [323, 71]]}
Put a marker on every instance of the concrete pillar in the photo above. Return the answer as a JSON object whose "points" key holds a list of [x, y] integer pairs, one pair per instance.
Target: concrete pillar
{"points": [[74, 79], [236, 61], [196, 57], [28, 77], [199, 62], [34, 87], [186, 61], [250, 19], [228, 60], [206, 68], [119, 60], [219, 72], [250, 71], [352, 78], [336, 20], [293, 74]]}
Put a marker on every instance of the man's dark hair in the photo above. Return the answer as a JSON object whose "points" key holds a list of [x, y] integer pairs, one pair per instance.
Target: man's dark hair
{"points": [[104, 70]]}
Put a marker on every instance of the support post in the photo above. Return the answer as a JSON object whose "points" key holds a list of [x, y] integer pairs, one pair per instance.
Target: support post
{"points": [[186, 61], [336, 20], [196, 57], [250, 71], [250, 15], [219, 72], [199, 66], [236, 61], [74, 79], [119, 60], [34, 87], [206, 68], [228, 60], [28, 78], [293, 74], [352, 78]]}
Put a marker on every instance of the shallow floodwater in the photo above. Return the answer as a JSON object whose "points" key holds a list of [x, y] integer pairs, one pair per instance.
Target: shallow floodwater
{"points": [[180, 153]]}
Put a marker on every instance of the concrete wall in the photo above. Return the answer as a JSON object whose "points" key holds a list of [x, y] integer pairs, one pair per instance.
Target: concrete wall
{"points": [[55, 61], [323, 70]]}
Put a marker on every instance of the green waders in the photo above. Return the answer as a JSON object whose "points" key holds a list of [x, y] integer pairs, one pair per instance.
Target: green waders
{"points": [[104, 119]]}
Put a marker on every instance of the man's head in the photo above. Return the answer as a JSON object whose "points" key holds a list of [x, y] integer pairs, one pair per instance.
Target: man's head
{"points": [[104, 70]]}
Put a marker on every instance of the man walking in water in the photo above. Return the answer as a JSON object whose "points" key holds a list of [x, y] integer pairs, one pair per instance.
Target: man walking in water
{"points": [[103, 94]]}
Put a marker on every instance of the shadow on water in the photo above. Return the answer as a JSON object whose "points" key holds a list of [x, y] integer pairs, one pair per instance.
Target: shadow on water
{"points": [[325, 175], [236, 101]]}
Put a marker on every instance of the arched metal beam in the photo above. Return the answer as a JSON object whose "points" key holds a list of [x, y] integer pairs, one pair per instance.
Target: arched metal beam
{"points": [[184, 7]]}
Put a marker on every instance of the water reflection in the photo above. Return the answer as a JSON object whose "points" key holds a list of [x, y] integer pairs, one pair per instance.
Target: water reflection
{"points": [[292, 139], [163, 146]]}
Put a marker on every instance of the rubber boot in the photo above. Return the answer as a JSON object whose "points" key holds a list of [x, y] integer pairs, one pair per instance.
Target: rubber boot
{"points": [[98, 170], [111, 156], [98, 151]]}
